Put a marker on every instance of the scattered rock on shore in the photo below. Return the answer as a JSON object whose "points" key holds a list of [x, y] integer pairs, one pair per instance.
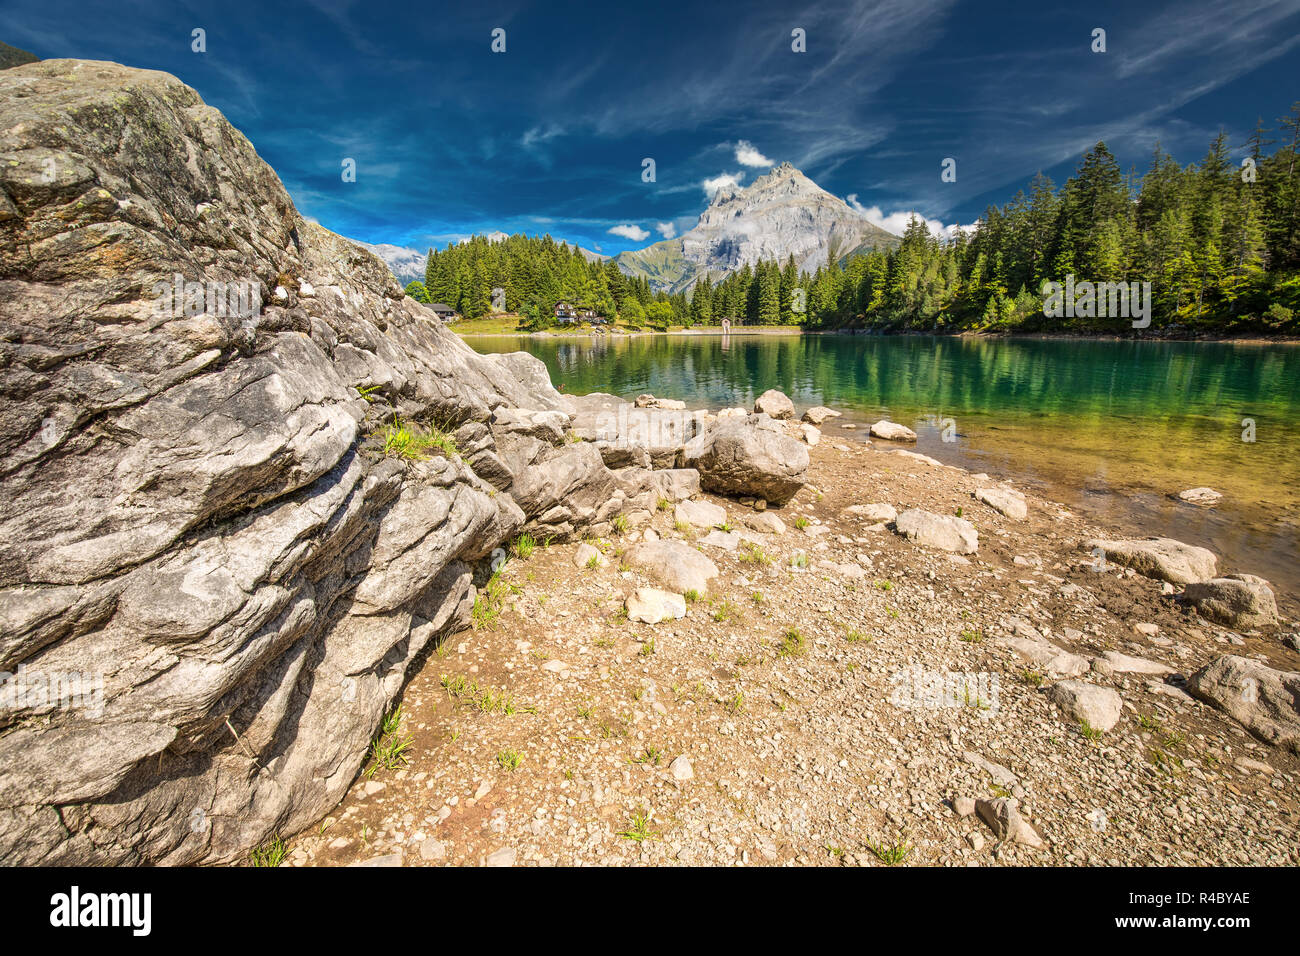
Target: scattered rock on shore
{"points": [[701, 514], [1010, 503], [818, 414], [1162, 558], [946, 532], [1099, 706], [1200, 496], [674, 564], [735, 458], [651, 605], [774, 403], [1241, 601], [1264, 700], [892, 431], [1004, 819]]}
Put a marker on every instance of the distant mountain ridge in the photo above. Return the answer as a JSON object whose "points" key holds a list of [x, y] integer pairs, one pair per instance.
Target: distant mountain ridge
{"points": [[12, 56], [779, 214]]}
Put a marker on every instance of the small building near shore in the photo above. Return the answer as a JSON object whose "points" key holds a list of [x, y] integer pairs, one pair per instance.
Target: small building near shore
{"points": [[444, 311]]}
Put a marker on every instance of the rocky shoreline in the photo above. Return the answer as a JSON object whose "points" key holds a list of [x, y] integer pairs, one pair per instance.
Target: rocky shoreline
{"points": [[905, 662]]}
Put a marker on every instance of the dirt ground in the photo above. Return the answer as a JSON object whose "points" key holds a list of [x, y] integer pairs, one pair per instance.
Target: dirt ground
{"points": [[786, 718]]}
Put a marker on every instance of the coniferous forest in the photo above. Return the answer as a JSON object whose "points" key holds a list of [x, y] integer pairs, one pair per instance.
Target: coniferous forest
{"points": [[1218, 240]]}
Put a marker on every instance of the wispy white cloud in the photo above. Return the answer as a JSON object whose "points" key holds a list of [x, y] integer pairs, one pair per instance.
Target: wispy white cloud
{"points": [[722, 181], [666, 229], [897, 222], [629, 231], [747, 155]]}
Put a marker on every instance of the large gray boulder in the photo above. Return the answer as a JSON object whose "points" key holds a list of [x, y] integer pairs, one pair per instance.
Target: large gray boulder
{"points": [[1161, 558], [210, 558], [1264, 700], [1241, 601], [742, 457]]}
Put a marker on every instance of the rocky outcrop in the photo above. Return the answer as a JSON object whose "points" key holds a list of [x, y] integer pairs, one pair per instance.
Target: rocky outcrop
{"points": [[1241, 601], [1264, 700], [207, 538]]}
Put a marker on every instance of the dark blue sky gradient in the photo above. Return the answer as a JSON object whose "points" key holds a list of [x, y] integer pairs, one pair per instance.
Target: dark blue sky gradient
{"points": [[452, 139]]}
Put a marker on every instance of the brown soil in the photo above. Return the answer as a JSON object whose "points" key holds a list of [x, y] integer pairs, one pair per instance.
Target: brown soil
{"points": [[806, 757]]}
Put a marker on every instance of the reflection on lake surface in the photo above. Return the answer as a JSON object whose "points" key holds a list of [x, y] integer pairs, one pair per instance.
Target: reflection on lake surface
{"points": [[1111, 428]]}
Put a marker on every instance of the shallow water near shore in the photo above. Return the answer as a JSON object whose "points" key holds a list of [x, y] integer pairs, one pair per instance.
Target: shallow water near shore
{"points": [[1110, 428]]}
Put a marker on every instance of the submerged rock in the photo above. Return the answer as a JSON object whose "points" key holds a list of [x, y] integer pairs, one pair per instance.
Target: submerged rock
{"points": [[1200, 496]]}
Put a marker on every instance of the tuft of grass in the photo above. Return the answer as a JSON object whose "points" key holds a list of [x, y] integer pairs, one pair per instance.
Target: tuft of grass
{"points": [[885, 585], [593, 562], [639, 830], [753, 554], [524, 546], [854, 636], [891, 854], [408, 441], [801, 522], [972, 636], [799, 559], [692, 596], [1088, 731], [757, 597], [619, 524], [724, 611], [1032, 678], [648, 647], [271, 853], [509, 759], [683, 527], [792, 644], [723, 526], [388, 748], [665, 504]]}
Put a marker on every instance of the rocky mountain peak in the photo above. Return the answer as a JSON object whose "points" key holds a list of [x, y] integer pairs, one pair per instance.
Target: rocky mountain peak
{"points": [[779, 214]]}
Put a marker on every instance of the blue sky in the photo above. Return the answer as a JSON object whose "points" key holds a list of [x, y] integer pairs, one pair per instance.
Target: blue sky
{"points": [[450, 138]]}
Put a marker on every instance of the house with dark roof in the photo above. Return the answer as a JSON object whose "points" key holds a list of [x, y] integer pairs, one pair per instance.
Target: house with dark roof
{"points": [[444, 311]]}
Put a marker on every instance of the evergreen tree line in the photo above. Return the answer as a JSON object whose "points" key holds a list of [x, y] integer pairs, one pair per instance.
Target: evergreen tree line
{"points": [[1219, 242]]}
